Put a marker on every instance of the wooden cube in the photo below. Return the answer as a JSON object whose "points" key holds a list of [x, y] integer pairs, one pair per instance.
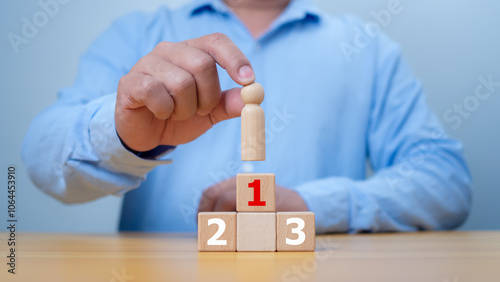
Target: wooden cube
{"points": [[295, 231], [255, 192], [217, 232], [256, 232]]}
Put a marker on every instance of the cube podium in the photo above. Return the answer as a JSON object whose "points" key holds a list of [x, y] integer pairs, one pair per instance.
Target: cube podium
{"points": [[256, 226]]}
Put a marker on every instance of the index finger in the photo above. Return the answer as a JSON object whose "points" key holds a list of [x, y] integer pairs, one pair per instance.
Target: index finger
{"points": [[227, 55]]}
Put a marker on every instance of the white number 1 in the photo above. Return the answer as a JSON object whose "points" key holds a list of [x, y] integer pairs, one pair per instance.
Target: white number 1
{"points": [[300, 226], [222, 227]]}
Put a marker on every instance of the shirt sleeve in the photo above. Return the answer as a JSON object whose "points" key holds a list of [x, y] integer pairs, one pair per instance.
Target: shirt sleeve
{"points": [[72, 150], [421, 180]]}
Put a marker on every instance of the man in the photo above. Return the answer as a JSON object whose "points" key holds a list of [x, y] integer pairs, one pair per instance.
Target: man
{"points": [[149, 92]]}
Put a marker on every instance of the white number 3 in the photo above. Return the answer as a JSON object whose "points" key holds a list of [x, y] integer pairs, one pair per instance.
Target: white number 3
{"points": [[222, 227], [300, 226]]}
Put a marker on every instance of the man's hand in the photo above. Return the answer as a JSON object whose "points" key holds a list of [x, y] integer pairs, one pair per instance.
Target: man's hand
{"points": [[173, 95], [222, 197]]}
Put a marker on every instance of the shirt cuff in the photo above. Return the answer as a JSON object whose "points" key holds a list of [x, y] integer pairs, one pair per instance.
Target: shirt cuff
{"points": [[109, 148], [329, 200], [154, 154]]}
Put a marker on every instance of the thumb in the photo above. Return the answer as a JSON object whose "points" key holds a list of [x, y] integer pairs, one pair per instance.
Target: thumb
{"points": [[230, 106]]}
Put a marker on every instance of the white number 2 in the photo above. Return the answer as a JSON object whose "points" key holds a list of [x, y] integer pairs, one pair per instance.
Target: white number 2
{"points": [[222, 227], [300, 225]]}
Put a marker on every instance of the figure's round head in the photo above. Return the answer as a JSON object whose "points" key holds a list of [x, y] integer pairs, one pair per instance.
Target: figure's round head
{"points": [[252, 93]]}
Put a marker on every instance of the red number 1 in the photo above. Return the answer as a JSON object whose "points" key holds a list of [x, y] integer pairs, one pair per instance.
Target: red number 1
{"points": [[256, 194]]}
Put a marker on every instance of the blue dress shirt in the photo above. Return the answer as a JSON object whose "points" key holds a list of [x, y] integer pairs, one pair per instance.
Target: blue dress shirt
{"points": [[330, 113]]}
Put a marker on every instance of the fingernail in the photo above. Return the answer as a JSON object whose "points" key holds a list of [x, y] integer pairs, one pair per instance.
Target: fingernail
{"points": [[246, 74]]}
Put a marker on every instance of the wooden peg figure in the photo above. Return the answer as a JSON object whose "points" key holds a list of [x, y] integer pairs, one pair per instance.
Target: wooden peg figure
{"points": [[253, 139]]}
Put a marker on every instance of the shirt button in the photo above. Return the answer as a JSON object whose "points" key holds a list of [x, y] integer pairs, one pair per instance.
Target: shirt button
{"points": [[247, 168], [257, 47]]}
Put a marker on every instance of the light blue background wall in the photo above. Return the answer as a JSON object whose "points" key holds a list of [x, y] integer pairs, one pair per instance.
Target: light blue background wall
{"points": [[448, 43]]}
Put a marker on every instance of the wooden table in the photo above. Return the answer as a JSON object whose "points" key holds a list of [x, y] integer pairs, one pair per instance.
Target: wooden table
{"points": [[429, 257]]}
